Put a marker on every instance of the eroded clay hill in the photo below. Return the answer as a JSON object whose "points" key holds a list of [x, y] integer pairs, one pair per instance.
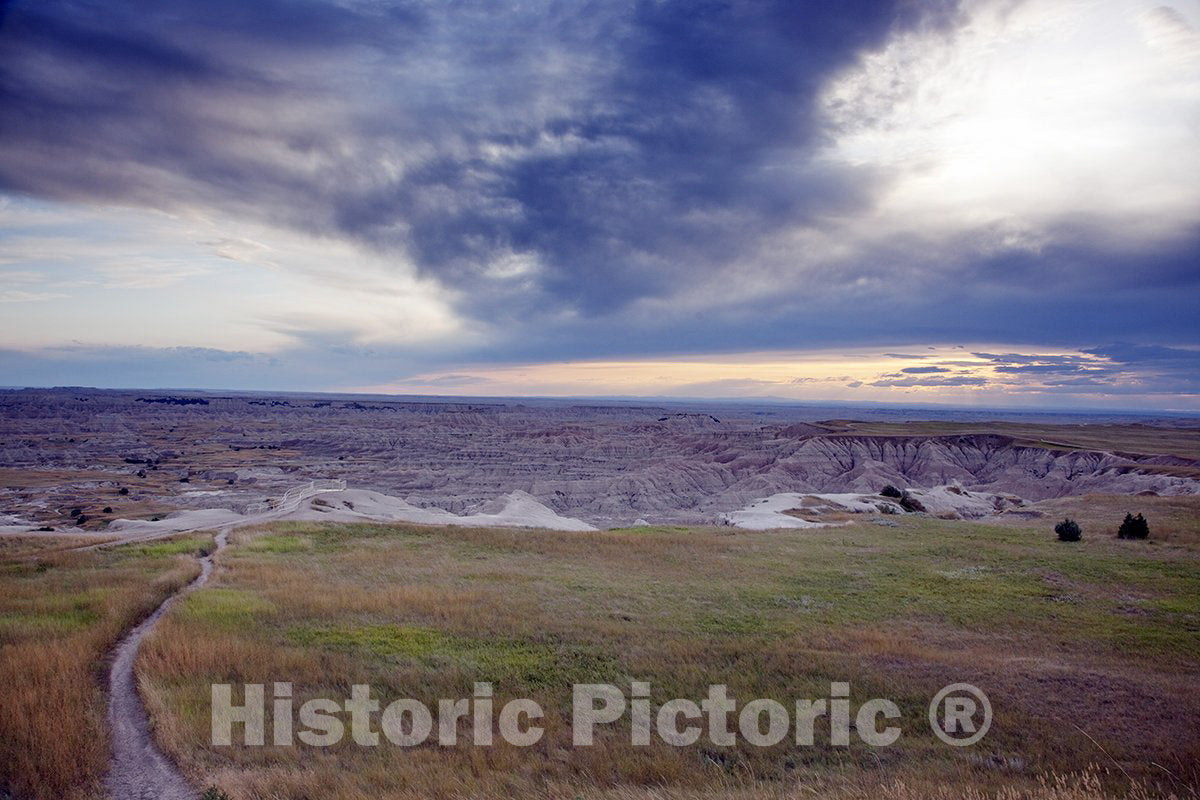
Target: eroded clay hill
{"points": [[64, 450], [722, 472]]}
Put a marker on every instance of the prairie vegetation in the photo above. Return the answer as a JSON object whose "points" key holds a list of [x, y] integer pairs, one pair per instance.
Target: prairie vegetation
{"points": [[1175, 520], [1129, 438], [60, 614], [1088, 653]]}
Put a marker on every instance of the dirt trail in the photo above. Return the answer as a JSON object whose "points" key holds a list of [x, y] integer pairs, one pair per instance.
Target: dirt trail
{"points": [[139, 770]]}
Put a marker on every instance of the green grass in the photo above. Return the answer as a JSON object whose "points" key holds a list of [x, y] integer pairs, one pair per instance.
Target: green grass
{"points": [[54, 623], [1047, 629], [652, 529], [380, 640], [225, 608], [280, 544], [186, 545], [523, 663], [931, 571]]}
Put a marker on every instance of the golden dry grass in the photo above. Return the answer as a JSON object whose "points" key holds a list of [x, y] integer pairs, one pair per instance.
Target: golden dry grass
{"points": [[18, 548], [1174, 521], [1089, 654], [1086, 785], [60, 614]]}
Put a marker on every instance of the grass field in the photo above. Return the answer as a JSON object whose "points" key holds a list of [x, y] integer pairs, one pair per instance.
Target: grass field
{"points": [[1142, 439], [60, 614], [1176, 520], [1089, 653]]}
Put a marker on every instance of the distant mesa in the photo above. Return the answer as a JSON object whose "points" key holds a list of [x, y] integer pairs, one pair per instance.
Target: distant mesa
{"points": [[175, 401]]}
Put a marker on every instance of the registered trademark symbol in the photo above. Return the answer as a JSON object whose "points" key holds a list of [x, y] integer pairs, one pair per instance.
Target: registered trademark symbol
{"points": [[955, 714]]}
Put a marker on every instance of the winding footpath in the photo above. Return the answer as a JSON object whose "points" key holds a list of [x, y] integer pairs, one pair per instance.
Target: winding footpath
{"points": [[139, 770]]}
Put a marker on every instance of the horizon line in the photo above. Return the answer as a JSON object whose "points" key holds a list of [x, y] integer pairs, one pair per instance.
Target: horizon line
{"points": [[675, 399]]}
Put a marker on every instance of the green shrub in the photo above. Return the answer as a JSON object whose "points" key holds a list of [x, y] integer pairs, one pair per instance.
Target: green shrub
{"points": [[1068, 531], [1134, 528], [891, 491], [213, 793]]}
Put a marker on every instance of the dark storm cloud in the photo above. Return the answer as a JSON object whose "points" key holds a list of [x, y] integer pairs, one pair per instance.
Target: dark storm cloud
{"points": [[623, 148], [558, 162], [1094, 357], [1092, 368], [1166, 369], [1022, 358], [1149, 355], [179, 103], [1118, 368], [1099, 362]]}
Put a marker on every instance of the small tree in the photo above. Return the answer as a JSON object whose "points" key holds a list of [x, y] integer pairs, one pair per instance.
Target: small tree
{"points": [[1068, 531], [891, 491], [1134, 528]]}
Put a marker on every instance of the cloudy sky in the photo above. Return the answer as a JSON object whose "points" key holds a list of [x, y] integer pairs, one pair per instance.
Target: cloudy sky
{"points": [[988, 202]]}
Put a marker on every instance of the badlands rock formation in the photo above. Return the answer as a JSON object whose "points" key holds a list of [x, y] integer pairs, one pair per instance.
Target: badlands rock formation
{"points": [[797, 510], [515, 510], [143, 454]]}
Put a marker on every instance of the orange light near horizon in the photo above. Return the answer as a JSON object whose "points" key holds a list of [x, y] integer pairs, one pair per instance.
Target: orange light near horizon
{"points": [[842, 374]]}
